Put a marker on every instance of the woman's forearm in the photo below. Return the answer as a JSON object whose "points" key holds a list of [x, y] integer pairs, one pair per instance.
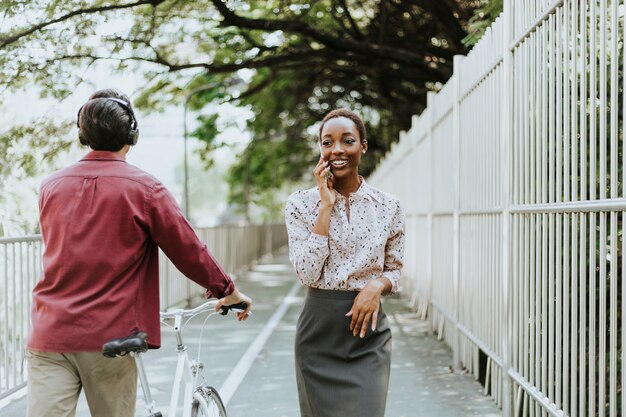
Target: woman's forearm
{"points": [[309, 257], [322, 224]]}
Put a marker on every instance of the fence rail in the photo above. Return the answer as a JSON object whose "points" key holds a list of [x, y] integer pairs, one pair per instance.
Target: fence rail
{"points": [[20, 268], [515, 209]]}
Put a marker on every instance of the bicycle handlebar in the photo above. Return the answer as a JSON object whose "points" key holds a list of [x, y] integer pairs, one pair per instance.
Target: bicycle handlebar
{"points": [[239, 307], [209, 305]]}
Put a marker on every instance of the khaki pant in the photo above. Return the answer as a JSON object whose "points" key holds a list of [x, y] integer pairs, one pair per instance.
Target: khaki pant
{"points": [[55, 381]]}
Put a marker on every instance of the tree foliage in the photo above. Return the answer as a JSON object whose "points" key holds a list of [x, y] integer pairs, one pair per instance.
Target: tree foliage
{"points": [[22, 150], [289, 61], [483, 17]]}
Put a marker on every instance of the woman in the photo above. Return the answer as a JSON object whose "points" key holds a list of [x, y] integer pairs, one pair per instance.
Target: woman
{"points": [[346, 242]]}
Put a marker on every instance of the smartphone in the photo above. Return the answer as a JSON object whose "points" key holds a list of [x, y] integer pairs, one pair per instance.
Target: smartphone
{"points": [[330, 174]]}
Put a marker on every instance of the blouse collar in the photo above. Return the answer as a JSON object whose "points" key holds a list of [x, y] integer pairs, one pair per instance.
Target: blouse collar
{"points": [[364, 191]]}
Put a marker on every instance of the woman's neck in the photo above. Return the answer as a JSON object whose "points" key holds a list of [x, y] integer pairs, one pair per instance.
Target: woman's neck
{"points": [[346, 186]]}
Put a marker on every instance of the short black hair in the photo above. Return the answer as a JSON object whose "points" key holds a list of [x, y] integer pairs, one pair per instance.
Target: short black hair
{"points": [[349, 114], [104, 124]]}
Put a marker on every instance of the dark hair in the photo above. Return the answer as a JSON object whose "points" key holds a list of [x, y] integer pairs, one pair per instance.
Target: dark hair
{"points": [[104, 124], [358, 122]]}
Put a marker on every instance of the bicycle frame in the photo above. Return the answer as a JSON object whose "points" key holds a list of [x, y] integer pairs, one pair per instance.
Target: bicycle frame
{"points": [[186, 368]]}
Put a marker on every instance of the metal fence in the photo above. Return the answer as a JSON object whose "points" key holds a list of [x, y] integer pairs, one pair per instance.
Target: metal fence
{"points": [[512, 182], [20, 268], [234, 246]]}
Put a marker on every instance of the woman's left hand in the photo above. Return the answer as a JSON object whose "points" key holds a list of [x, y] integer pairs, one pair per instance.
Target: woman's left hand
{"points": [[365, 308]]}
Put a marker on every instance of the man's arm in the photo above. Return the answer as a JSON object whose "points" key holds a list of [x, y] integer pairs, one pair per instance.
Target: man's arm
{"points": [[174, 235]]}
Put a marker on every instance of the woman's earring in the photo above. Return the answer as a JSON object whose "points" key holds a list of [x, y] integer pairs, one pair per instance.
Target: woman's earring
{"points": [[363, 151]]}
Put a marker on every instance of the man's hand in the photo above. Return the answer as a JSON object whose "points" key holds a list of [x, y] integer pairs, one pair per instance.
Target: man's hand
{"points": [[234, 298]]}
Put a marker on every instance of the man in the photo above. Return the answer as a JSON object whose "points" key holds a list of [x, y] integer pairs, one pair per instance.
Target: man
{"points": [[102, 222]]}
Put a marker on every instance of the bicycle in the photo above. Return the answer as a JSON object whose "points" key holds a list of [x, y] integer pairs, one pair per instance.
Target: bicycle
{"points": [[198, 399]]}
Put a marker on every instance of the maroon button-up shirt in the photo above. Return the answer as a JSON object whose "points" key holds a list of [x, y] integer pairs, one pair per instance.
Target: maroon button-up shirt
{"points": [[102, 222]]}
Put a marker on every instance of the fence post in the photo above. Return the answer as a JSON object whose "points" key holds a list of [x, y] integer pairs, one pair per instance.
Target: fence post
{"points": [[456, 233], [506, 165], [429, 109]]}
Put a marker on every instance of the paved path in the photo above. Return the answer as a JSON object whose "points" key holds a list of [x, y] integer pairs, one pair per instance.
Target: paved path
{"points": [[261, 349]]}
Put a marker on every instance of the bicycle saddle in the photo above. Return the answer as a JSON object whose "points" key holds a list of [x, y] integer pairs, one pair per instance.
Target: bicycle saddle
{"points": [[136, 342]]}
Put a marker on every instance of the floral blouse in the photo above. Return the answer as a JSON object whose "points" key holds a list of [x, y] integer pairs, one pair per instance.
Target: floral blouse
{"points": [[368, 246]]}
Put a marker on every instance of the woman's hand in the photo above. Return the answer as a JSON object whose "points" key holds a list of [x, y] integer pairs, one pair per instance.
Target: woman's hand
{"points": [[365, 308], [324, 180]]}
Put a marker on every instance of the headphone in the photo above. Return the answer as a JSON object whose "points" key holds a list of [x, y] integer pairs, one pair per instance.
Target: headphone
{"points": [[133, 131]]}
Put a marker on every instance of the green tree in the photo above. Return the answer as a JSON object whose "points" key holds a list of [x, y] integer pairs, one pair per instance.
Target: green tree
{"points": [[290, 62], [484, 15], [22, 150]]}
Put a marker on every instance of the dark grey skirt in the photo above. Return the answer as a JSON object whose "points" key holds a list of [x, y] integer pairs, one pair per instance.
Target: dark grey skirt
{"points": [[339, 374]]}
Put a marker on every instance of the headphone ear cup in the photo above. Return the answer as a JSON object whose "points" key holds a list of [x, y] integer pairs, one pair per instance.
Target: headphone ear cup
{"points": [[133, 136]]}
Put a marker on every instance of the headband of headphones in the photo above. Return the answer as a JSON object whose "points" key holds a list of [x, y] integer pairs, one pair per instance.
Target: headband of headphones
{"points": [[133, 132]]}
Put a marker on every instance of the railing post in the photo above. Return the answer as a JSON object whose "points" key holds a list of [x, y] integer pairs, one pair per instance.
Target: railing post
{"points": [[456, 252], [429, 109], [506, 158], [269, 240]]}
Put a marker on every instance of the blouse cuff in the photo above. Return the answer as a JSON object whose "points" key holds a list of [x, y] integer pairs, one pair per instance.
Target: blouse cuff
{"points": [[394, 278]]}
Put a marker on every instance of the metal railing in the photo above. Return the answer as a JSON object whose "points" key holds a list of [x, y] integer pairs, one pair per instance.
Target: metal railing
{"points": [[515, 209], [20, 268], [235, 247]]}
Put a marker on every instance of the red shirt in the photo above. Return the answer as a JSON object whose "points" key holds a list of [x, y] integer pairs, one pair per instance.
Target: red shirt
{"points": [[102, 222]]}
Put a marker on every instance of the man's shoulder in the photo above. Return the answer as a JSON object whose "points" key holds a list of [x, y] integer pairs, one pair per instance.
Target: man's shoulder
{"points": [[122, 171], [67, 172], [131, 172]]}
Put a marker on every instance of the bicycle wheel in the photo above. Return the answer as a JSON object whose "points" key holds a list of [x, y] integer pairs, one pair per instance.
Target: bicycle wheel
{"points": [[207, 403]]}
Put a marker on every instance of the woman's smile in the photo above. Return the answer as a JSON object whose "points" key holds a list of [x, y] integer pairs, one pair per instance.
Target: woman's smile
{"points": [[339, 162]]}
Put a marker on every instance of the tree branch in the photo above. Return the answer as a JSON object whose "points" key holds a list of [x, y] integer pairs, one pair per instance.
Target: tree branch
{"points": [[357, 32], [256, 88], [254, 43], [444, 10], [339, 20], [270, 61], [13, 38], [383, 22], [399, 55], [171, 67]]}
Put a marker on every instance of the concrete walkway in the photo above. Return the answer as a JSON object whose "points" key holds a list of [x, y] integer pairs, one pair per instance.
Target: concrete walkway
{"points": [[260, 352]]}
